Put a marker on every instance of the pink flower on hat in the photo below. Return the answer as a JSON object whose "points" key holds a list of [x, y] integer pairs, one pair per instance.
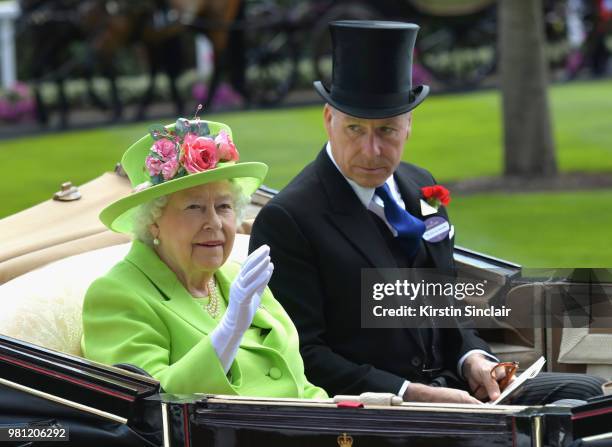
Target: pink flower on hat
{"points": [[199, 154], [154, 165], [169, 169], [186, 148], [165, 148], [227, 149]]}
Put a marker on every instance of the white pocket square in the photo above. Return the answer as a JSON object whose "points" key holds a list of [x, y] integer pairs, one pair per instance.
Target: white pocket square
{"points": [[427, 209]]}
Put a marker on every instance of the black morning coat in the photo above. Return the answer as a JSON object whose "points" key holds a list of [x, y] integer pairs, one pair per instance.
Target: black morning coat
{"points": [[320, 237]]}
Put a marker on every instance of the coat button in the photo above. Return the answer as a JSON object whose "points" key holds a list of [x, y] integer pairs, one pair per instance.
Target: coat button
{"points": [[275, 373], [416, 362]]}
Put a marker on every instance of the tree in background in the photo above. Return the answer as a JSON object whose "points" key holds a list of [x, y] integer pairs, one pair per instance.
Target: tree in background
{"points": [[528, 139]]}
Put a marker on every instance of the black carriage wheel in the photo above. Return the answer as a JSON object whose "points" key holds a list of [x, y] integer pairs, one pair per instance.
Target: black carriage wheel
{"points": [[271, 55]]}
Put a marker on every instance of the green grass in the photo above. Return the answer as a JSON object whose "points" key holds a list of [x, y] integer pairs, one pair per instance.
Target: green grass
{"points": [[571, 229], [460, 136], [454, 136]]}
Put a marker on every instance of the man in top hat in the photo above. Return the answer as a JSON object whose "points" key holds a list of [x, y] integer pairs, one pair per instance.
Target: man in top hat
{"points": [[358, 206]]}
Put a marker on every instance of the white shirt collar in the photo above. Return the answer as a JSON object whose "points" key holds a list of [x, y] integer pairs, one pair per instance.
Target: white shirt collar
{"points": [[366, 195]]}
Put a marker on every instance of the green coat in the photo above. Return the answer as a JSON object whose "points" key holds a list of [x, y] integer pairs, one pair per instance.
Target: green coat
{"points": [[140, 313]]}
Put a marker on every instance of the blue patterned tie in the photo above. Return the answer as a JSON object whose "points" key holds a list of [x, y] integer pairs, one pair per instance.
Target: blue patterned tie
{"points": [[409, 229]]}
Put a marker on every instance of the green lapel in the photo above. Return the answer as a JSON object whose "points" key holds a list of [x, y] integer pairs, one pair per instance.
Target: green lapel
{"points": [[175, 297]]}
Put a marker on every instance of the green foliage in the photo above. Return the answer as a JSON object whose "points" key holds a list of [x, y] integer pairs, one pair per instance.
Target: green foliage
{"points": [[182, 127], [454, 136]]}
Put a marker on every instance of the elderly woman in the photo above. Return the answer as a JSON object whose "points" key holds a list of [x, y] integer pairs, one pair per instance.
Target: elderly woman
{"points": [[174, 307]]}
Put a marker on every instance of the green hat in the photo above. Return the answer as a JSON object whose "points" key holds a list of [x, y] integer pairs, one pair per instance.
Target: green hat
{"points": [[176, 157]]}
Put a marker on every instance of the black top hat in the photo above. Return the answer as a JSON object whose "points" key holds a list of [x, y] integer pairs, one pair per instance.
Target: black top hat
{"points": [[372, 69]]}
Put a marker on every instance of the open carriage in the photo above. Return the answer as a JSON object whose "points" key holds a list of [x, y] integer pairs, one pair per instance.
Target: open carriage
{"points": [[51, 253]]}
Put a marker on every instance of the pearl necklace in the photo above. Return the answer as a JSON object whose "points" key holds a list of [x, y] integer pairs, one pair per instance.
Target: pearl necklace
{"points": [[213, 298]]}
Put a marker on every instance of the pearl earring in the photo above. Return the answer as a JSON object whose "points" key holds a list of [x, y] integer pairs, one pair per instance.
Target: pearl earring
{"points": [[155, 241]]}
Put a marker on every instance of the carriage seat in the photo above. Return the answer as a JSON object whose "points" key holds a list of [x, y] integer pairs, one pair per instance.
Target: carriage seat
{"points": [[44, 306]]}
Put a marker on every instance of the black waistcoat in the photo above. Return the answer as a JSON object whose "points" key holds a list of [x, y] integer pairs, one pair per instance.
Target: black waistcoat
{"points": [[429, 337]]}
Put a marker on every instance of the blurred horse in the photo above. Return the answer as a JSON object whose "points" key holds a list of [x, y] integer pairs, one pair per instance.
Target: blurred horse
{"points": [[161, 36], [105, 27], [49, 32], [160, 27], [222, 21]]}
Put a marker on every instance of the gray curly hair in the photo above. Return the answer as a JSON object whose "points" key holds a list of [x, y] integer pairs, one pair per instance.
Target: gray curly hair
{"points": [[148, 213]]}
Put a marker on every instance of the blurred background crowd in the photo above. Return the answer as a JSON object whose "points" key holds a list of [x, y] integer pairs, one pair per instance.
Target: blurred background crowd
{"points": [[65, 62]]}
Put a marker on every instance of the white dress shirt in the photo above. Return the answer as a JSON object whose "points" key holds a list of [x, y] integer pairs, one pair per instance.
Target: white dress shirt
{"points": [[375, 204], [366, 195]]}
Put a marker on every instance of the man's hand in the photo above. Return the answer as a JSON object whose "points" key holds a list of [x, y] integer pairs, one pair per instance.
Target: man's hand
{"points": [[477, 372], [417, 392]]}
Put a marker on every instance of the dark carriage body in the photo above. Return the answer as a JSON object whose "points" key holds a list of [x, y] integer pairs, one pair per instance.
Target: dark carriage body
{"points": [[101, 405], [252, 423]]}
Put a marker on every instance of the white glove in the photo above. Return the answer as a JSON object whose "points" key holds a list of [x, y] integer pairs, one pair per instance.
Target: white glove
{"points": [[244, 299]]}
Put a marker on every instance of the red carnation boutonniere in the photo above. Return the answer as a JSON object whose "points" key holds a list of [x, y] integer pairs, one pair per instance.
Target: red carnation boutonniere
{"points": [[436, 195]]}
